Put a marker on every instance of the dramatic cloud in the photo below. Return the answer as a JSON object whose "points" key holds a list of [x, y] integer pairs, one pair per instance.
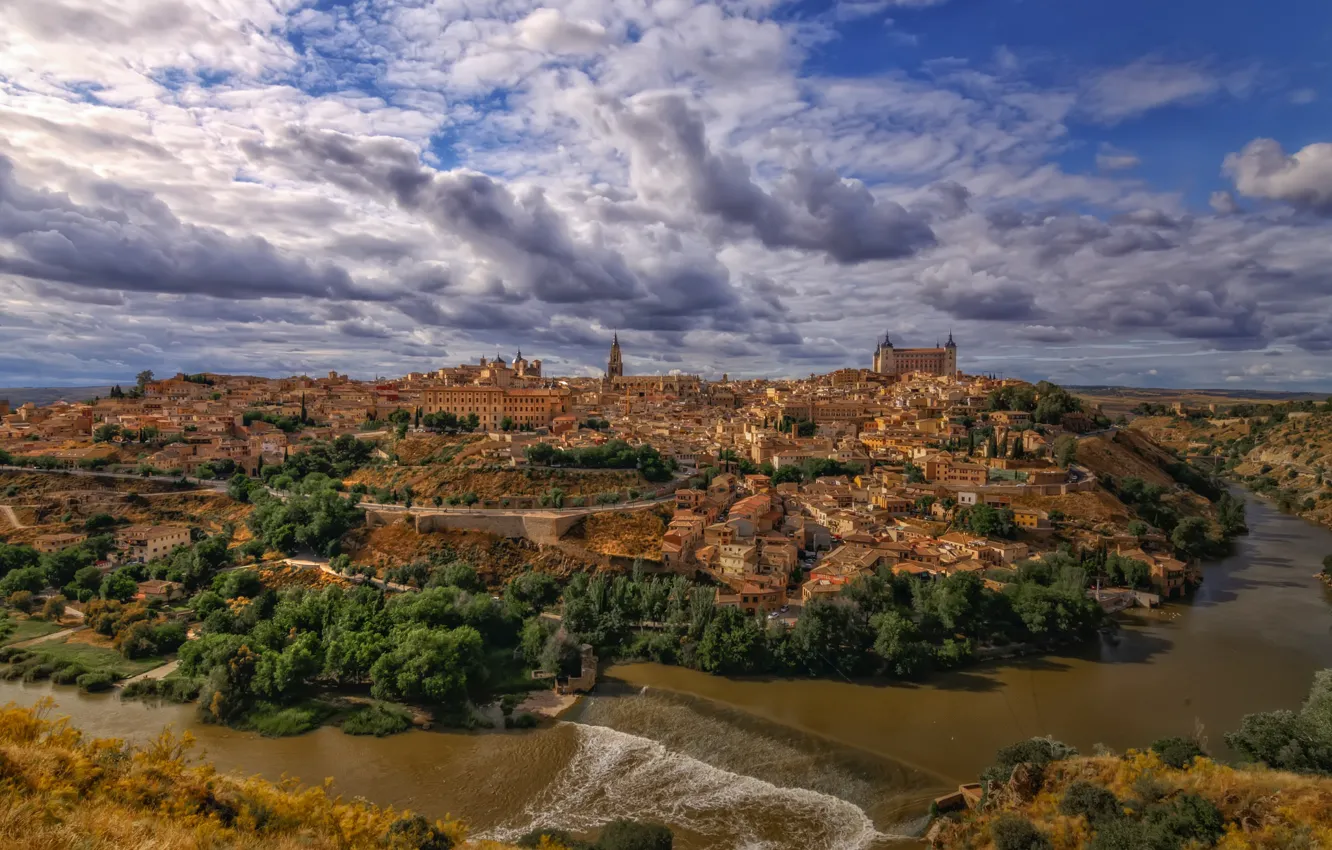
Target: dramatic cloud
{"points": [[270, 186], [132, 241], [1302, 179], [810, 208]]}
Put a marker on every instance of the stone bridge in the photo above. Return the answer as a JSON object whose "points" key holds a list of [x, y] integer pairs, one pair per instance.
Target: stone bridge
{"points": [[539, 526]]}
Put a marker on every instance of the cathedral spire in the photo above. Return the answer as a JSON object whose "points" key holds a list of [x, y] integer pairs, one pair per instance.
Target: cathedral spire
{"points": [[615, 365]]}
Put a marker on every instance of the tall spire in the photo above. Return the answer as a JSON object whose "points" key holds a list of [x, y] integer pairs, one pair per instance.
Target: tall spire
{"points": [[615, 365], [950, 343]]}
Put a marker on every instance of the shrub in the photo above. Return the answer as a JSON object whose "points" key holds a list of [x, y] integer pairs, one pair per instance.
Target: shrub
{"points": [[174, 689], [54, 608], [1037, 752], [1177, 752], [1186, 818], [416, 833], [69, 674], [276, 721], [21, 600], [378, 720], [554, 837], [635, 835], [1149, 788], [97, 680], [17, 669], [524, 721], [1122, 834], [39, 671], [1014, 832], [1093, 802]]}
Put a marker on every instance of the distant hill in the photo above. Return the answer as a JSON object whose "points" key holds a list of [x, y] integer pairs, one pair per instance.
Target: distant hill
{"points": [[1117, 400], [47, 395], [1168, 392]]}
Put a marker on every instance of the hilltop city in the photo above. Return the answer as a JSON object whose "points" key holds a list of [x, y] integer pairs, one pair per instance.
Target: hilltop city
{"points": [[782, 490]]}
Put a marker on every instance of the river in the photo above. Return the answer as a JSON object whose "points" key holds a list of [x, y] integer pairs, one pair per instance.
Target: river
{"points": [[819, 764]]}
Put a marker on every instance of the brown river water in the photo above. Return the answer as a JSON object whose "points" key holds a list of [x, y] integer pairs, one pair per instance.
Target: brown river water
{"points": [[778, 764]]}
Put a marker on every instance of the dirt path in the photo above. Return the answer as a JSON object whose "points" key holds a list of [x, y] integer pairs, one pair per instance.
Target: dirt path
{"points": [[155, 673], [63, 633], [11, 516]]}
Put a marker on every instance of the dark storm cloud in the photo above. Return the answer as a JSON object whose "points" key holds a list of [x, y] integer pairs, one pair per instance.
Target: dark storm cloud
{"points": [[1055, 236], [519, 231], [1183, 310], [811, 208], [133, 242], [947, 200], [1045, 333], [1001, 302], [522, 234], [365, 329], [1130, 241]]}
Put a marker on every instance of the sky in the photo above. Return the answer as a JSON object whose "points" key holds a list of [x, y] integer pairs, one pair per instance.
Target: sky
{"points": [[1133, 193]]}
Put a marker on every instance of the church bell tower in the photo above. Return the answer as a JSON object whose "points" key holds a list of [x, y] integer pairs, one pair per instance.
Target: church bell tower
{"points": [[615, 366]]}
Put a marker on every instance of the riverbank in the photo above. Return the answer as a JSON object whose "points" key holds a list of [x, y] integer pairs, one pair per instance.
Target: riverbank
{"points": [[854, 765]]}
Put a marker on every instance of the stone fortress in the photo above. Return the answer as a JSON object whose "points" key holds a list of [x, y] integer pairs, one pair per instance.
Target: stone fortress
{"points": [[940, 360]]}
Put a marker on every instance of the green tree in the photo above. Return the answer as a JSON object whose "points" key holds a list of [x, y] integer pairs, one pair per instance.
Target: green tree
{"points": [[831, 638], [143, 379], [429, 665], [897, 641], [732, 644], [1230, 516], [119, 585], [1190, 537], [1065, 449], [106, 433], [1288, 740]]}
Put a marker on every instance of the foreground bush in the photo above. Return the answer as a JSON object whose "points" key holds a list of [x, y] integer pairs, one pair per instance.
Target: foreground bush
{"points": [[1139, 802], [108, 796]]}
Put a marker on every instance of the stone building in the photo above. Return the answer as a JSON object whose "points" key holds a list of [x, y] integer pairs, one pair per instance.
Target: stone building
{"points": [[899, 361], [644, 386]]}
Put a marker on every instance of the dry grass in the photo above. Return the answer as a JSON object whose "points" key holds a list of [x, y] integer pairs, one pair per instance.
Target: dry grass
{"points": [[1296, 454], [496, 559], [59, 789], [1262, 808], [456, 479], [280, 578], [635, 534]]}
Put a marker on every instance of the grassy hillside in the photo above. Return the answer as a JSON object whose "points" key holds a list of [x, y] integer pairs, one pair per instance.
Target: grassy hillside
{"points": [[1286, 457], [61, 789], [1040, 795], [1154, 805]]}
